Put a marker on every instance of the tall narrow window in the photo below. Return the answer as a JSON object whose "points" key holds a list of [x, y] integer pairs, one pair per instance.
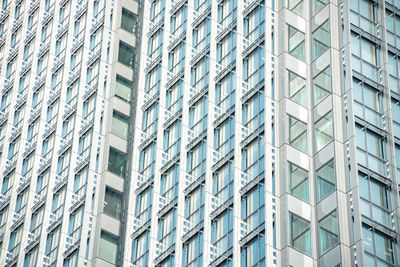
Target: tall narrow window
{"points": [[322, 85], [321, 40], [298, 182], [328, 232], [108, 247], [317, 5], [300, 234], [298, 134], [126, 54], [297, 88], [326, 180], [323, 131], [297, 6], [112, 203], [120, 125], [123, 88], [117, 162], [128, 21], [296, 43]]}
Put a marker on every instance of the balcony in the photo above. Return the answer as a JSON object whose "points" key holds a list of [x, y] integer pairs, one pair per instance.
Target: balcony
{"points": [[191, 227], [139, 226], [87, 123], [5, 199], [25, 181], [221, 201], [18, 218], [192, 181], [12, 255], [150, 97], [16, 131], [48, 15], [50, 127]]}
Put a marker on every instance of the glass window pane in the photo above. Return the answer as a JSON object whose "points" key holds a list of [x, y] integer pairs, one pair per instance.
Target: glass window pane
{"points": [[323, 131], [126, 54], [120, 125], [297, 88], [328, 232], [117, 162], [300, 234], [297, 134], [129, 21], [296, 43], [297, 6], [112, 204], [326, 180], [123, 88], [108, 248], [298, 182], [321, 40]]}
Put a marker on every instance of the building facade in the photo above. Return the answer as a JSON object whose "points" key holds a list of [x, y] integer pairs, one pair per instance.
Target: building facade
{"points": [[267, 134], [199, 133], [67, 74]]}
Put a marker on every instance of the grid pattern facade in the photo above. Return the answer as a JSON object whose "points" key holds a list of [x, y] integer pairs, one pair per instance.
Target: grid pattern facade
{"points": [[266, 134], [66, 71]]}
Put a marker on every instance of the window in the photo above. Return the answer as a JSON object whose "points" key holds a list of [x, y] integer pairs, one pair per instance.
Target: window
{"points": [[196, 160], [253, 254], [323, 131], [298, 182], [108, 247], [328, 232], [363, 14], [253, 67], [193, 251], [123, 88], [321, 40], [300, 234], [378, 247], [297, 134], [296, 43], [371, 150], [120, 125], [143, 205], [322, 85], [253, 159], [194, 206], [147, 161], [254, 23], [368, 103], [224, 137], [126, 54], [112, 203], [153, 81], [253, 213], [226, 50], [167, 229], [222, 232], [297, 6], [317, 5], [169, 184], [297, 88], [176, 59], [200, 73], [201, 35], [141, 249], [223, 183], [178, 22], [198, 116], [365, 57], [117, 162], [129, 21], [375, 200], [253, 112], [326, 180]]}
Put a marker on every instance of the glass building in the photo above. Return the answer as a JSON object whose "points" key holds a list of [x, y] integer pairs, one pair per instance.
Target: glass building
{"points": [[200, 133], [67, 71]]}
